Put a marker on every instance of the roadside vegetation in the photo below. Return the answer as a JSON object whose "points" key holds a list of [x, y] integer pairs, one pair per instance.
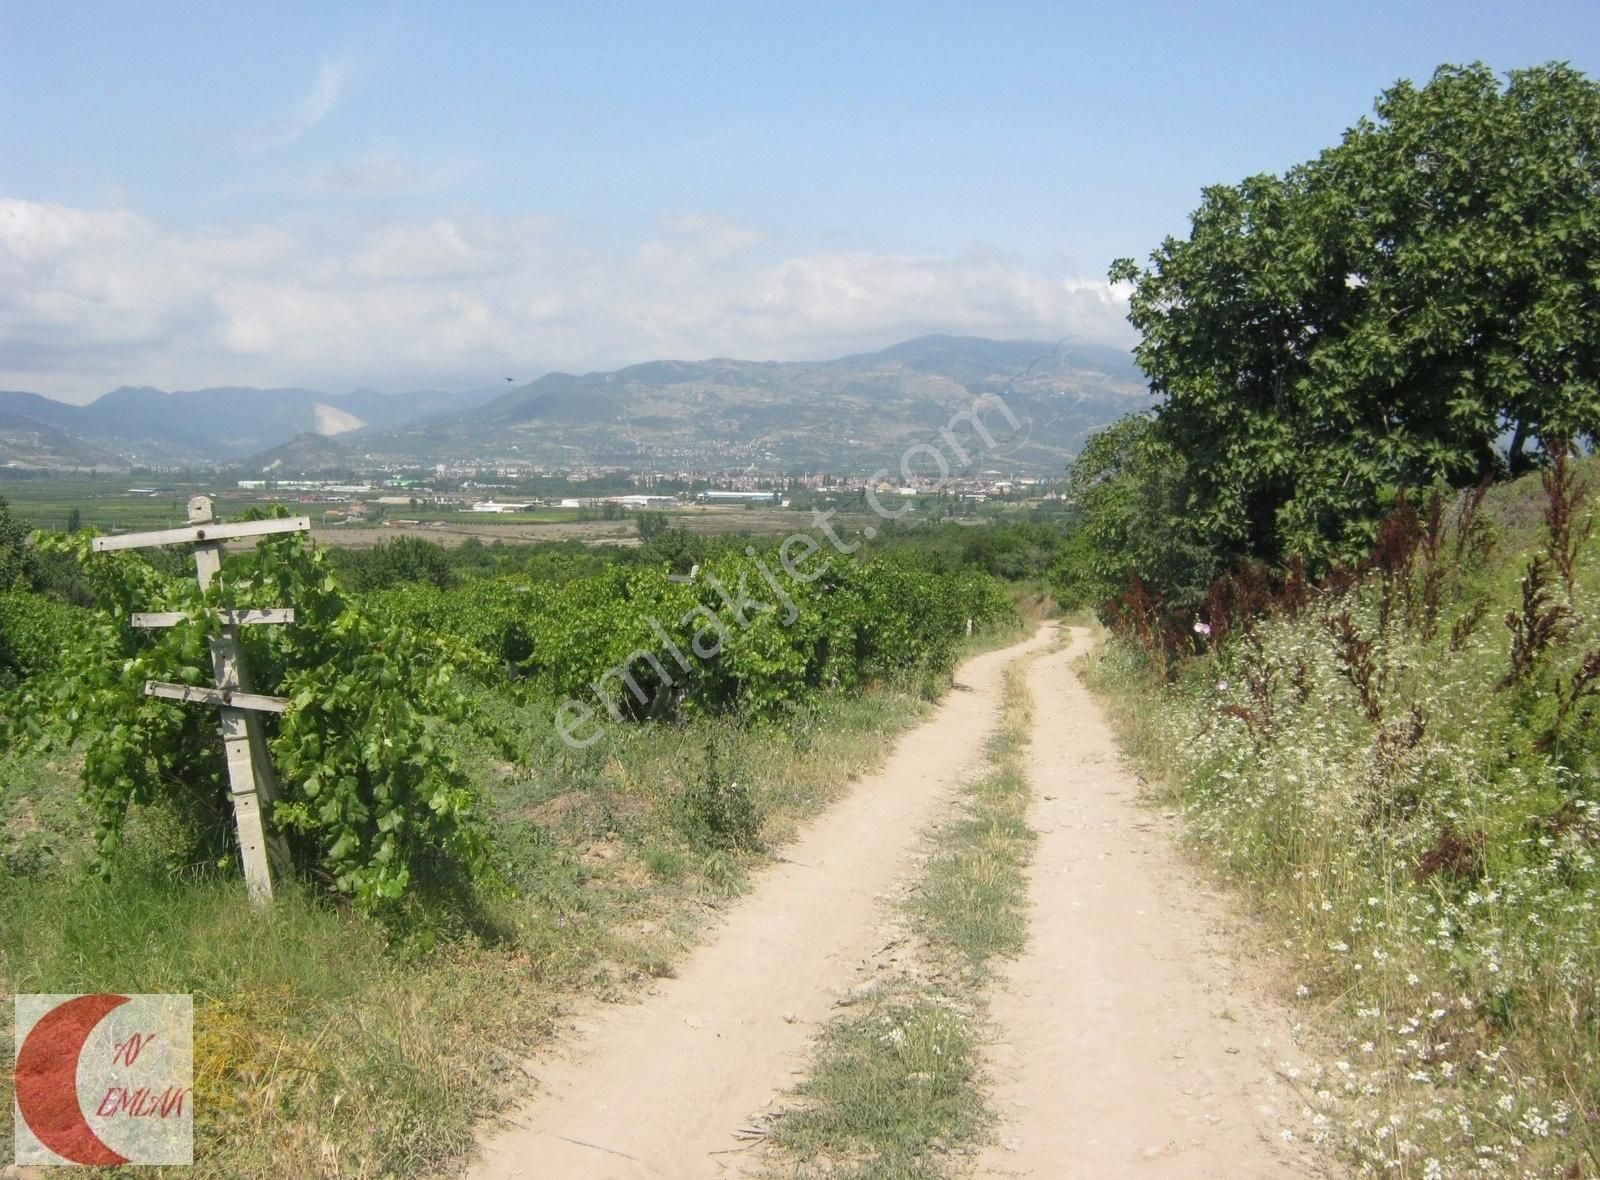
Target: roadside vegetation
{"points": [[1350, 569], [897, 1089], [1401, 765]]}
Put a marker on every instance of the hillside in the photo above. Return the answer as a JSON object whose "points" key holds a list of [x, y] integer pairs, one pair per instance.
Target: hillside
{"points": [[151, 426], [305, 454], [852, 414], [27, 442]]}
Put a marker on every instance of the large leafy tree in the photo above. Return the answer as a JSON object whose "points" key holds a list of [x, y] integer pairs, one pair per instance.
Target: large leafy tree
{"points": [[1420, 303], [399, 562]]}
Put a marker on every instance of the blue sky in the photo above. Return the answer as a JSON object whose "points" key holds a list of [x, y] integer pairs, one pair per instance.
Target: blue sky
{"points": [[409, 196]]}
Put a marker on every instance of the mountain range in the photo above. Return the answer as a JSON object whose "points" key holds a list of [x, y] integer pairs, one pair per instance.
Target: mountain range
{"points": [[853, 413], [218, 426]]}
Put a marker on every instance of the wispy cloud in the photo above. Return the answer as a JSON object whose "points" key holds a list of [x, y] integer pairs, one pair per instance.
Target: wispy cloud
{"points": [[324, 93], [313, 107], [91, 299]]}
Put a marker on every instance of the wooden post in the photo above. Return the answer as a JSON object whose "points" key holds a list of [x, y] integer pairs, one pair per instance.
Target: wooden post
{"points": [[252, 784], [250, 778]]}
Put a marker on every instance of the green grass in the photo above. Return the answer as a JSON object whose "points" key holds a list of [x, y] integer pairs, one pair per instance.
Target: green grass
{"points": [[896, 1090], [323, 1049], [893, 1092], [104, 502], [973, 900]]}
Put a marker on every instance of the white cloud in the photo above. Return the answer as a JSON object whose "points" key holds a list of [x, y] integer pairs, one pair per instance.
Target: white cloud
{"points": [[313, 107], [93, 299], [323, 94]]}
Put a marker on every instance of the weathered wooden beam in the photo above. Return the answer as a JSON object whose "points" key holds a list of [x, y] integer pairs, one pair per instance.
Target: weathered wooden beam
{"points": [[151, 620], [251, 781], [256, 847], [195, 534], [252, 785], [224, 697]]}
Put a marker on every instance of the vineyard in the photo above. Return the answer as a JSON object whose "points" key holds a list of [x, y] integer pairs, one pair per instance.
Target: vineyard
{"points": [[434, 813], [381, 682]]}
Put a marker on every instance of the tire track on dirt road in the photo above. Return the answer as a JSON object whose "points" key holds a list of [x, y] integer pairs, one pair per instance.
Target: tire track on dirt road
{"points": [[660, 1088], [1132, 1042]]}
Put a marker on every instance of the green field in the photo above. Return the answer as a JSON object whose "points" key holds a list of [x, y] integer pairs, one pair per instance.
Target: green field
{"points": [[108, 504], [104, 501]]}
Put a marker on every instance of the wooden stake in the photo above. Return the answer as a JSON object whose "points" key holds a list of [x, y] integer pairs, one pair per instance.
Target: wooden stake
{"points": [[251, 782], [250, 778]]}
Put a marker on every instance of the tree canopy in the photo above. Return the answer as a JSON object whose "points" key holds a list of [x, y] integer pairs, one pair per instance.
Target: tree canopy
{"points": [[1419, 304]]}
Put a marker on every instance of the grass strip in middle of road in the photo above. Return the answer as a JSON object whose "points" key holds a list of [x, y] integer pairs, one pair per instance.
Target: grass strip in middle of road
{"points": [[896, 1089]]}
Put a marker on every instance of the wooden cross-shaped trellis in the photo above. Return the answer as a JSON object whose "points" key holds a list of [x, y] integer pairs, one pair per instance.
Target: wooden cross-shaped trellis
{"points": [[250, 778]]}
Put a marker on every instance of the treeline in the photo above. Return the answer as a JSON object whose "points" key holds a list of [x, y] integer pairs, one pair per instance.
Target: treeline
{"points": [[1024, 550]]}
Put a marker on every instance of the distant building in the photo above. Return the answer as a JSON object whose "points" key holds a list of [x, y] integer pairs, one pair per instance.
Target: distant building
{"points": [[736, 497], [496, 506]]}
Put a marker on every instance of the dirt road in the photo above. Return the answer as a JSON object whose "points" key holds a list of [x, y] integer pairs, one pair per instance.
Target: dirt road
{"points": [[657, 1088], [1130, 1044]]}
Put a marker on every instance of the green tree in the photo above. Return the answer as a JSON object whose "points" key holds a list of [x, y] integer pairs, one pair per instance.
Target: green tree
{"points": [[1126, 487], [1385, 314], [652, 525], [398, 562]]}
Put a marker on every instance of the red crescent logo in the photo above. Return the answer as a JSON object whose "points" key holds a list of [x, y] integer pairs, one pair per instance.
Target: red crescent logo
{"points": [[47, 1079]]}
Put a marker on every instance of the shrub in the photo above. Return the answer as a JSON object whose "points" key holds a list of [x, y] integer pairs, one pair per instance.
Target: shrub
{"points": [[35, 633], [714, 813]]}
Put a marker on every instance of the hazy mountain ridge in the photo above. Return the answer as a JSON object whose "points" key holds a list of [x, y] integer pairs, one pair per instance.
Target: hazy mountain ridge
{"points": [[848, 414], [305, 453], [852, 413], [31, 443], [143, 425]]}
